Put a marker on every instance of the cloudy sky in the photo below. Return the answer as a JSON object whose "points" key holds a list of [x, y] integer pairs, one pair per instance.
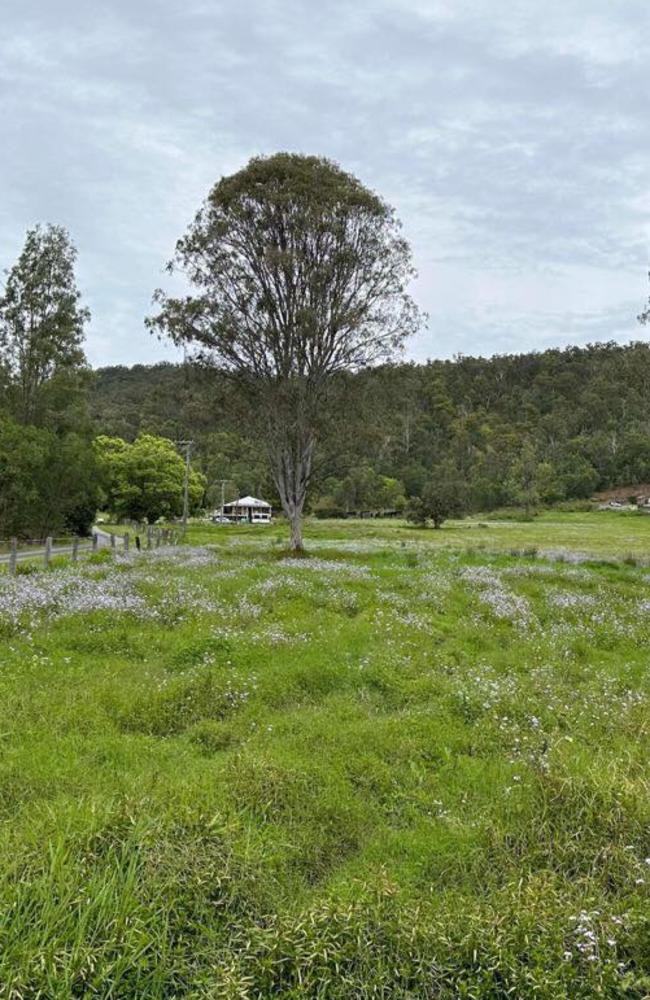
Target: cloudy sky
{"points": [[513, 137]]}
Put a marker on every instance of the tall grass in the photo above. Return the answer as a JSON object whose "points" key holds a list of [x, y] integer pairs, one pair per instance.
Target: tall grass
{"points": [[384, 771]]}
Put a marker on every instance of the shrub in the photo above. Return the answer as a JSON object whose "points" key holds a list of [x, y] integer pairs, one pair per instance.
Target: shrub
{"points": [[442, 498]]}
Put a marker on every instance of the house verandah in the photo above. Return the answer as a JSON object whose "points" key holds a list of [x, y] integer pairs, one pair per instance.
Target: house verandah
{"points": [[246, 510]]}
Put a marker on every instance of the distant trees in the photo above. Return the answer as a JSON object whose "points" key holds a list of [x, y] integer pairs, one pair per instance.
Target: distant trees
{"points": [[300, 273], [233, 458], [442, 497], [41, 322], [144, 481], [582, 411], [525, 478], [47, 476], [362, 489]]}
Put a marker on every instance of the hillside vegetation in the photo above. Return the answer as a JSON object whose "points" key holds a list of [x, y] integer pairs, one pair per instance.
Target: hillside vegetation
{"points": [[392, 769], [521, 429]]}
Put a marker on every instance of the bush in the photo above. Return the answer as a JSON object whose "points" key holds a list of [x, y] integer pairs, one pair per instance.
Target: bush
{"points": [[47, 482], [442, 498]]}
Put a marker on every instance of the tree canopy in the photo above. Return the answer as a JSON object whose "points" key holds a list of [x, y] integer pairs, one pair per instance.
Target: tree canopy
{"points": [[539, 427], [442, 497], [41, 321], [299, 273], [144, 480], [47, 475], [47, 482]]}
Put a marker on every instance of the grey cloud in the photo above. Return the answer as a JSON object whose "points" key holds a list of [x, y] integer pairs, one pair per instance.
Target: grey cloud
{"points": [[513, 139]]}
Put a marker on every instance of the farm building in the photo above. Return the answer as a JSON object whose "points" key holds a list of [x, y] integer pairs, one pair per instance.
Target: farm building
{"points": [[248, 509]]}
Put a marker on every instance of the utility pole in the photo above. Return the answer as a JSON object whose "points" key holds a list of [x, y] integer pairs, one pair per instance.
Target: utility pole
{"points": [[223, 495], [187, 445]]}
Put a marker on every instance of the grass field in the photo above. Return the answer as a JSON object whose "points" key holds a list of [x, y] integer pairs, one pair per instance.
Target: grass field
{"points": [[607, 534], [412, 765]]}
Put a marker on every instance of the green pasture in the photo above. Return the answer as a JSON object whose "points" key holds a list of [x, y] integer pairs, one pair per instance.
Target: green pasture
{"points": [[608, 534], [411, 765]]}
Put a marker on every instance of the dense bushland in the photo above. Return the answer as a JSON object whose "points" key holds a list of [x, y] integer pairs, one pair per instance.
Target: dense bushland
{"points": [[517, 430]]}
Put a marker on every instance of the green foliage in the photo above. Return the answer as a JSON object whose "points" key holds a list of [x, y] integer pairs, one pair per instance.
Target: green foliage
{"points": [[47, 470], [144, 481], [363, 489], [47, 482], [520, 430], [332, 294], [41, 322], [442, 498], [299, 274]]}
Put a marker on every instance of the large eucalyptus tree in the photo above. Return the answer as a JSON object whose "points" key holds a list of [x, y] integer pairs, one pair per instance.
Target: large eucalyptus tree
{"points": [[297, 272]]}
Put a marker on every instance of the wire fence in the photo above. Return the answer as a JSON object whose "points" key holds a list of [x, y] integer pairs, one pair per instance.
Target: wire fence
{"points": [[40, 552]]}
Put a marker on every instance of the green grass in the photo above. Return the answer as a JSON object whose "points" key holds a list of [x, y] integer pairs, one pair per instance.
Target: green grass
{"points": [[608, 534], [413, 765]]}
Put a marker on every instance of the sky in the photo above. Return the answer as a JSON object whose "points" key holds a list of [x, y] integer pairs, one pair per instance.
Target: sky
{"points": [[512, 137]]}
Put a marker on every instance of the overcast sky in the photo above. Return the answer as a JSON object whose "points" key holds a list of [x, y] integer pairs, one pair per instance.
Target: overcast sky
{"points": [[513, 137]]}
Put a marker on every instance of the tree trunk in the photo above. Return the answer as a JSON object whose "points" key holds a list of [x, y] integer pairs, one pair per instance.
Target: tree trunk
{"points": [[295, 522], [293, 512], [291, 471]]}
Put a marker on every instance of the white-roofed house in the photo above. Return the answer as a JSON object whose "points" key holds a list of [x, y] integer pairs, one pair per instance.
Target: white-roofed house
{"points": [[248, 509]]}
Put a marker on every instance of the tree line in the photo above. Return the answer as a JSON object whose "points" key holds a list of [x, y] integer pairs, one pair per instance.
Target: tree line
{"points": [[56, 468], [296, 312], [512, 430]]}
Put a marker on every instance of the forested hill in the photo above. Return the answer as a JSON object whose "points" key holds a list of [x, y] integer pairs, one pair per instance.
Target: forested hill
{"points": [[517, 428]]}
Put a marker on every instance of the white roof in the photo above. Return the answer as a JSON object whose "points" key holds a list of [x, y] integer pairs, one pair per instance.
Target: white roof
{"points": [[249, 502]]}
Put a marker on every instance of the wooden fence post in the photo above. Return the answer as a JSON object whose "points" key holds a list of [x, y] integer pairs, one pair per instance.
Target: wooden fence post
{"points": [[48, 551], [126, 542], [149, 536], [75, 549], [95, 541], [13, 556], [112, 540]]}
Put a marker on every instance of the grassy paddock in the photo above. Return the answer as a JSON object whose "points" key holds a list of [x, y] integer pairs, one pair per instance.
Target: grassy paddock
{"points": [[412, 765], [610, 534]]}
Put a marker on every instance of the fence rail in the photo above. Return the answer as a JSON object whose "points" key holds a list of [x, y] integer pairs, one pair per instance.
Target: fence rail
{"points": [[13, 552]]}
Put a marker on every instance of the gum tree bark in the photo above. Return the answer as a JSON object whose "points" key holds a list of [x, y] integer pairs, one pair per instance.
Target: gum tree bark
{"points": [[291, 458], [298, 273]]}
